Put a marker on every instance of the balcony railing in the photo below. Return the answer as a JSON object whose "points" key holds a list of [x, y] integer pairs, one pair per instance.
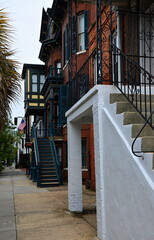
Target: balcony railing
{"points": [[54, 78], [54, 72], [54, 129], [83, 81]]}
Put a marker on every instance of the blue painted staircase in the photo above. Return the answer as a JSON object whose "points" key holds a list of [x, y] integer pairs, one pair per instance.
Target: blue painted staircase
{"points": [[46, 169], [48, 175]]}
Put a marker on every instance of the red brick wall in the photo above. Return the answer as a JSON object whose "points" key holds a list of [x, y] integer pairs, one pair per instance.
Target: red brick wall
{"points": [[88, 176], [56, 55]]}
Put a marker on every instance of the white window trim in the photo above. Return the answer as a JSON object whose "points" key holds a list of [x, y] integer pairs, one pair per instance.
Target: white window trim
{"points": [[81, 52]]}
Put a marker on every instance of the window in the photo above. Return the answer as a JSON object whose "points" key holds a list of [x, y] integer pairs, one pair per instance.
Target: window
{"points": [[79, 35], [81, 43], [37, 82], [58, 68], [34, 83], [82, 34], [42, 80], [59, 153], [84, 152]]}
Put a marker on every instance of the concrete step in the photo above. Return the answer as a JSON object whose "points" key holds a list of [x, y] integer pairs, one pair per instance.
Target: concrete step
{"points": [[49, 184], [45, 153], [147, 144], [147, 131], [47, 161], [124, 107], [117, 97], [47, 171], [44, 146], [48, 176], [48, 179], [48, 166], [46, 158], [128, 107], [132, 117]]}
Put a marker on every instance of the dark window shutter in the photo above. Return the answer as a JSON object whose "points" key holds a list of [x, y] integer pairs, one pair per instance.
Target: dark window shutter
{"points": [[86, 28], [74, 34], [50, 71], [51, 113], [63, 104], [66, 48]]}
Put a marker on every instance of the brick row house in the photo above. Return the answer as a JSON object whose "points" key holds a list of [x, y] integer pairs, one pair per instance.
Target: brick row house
{"points": [[98, 97], [55, 54]]}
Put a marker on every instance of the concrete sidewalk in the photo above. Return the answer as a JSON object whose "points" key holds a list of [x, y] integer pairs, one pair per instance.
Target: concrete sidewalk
{"points": [[31, 213]]}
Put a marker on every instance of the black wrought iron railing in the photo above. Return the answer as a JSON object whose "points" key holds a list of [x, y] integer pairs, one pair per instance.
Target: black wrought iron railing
{"points": [[35, 168], [135, 152], [138, 28], [54, 129], [58, 164], [54, 72], [134, 82], [84, 80]]}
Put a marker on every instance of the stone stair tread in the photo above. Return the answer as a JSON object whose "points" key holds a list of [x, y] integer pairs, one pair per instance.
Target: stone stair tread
{"points": [[132, 117], [136, 127], [50, 183], [48, 174], [116, 97], [48, 179]]}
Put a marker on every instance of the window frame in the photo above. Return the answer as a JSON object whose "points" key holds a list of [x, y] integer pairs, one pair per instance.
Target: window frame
{"points": [[80, 32], [38, 83]]}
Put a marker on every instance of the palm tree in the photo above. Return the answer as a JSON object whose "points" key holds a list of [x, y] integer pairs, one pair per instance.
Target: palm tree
{"points": [[9, 76]]}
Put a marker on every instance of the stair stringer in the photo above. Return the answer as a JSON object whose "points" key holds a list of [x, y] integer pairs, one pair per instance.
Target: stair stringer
{"points": [[128, 188]]}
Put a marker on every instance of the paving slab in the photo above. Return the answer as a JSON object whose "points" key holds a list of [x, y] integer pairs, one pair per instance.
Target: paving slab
{"points": [[5, 187], [55, 226], [42, 213], [7, 224], [9, 235], [6, 195], [7, 208]]}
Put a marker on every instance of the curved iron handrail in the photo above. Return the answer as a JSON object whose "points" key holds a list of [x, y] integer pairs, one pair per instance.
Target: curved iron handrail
{"points": [[133, 143]]}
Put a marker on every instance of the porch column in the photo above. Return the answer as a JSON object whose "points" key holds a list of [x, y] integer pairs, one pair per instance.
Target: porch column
{"points": [[99, 171], [74, 167]]}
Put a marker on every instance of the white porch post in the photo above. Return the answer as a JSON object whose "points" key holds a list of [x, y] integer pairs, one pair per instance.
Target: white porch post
{"points": [[99, 172], [74, 167]]}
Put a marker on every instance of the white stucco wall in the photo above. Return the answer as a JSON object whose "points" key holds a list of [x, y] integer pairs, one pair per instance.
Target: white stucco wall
{"points": [[124, 189], [129, 199]]}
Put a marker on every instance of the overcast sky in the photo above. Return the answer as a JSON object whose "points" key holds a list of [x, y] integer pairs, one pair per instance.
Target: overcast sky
{"points": [[25, 17]]}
